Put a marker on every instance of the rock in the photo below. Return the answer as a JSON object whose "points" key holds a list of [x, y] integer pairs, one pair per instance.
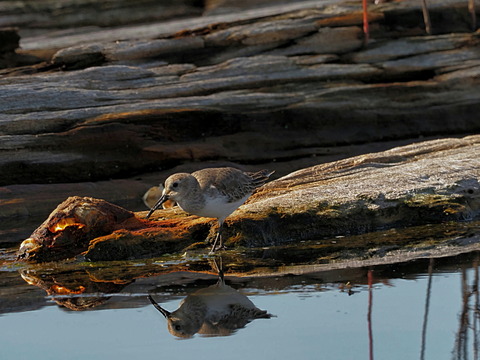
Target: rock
{"points": [[431, 61], [213, 7], [165, 29], [16, 199], [282, 86], [70, 227], [24, 207], [9, 44], [424, 183], [341, 17], [206, 74], [276, 31], [447, 16], [64, 118], [411, 46], [339, 40], [80, 57], [9, 40], [48, 15], [90, 55]]}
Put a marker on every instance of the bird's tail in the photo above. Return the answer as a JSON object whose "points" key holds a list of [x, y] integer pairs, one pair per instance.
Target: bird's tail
{"points": [[260, 177]]}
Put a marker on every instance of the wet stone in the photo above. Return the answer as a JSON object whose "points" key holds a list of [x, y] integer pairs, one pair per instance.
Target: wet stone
{"points": [[70, 227], [9, 40], [411, 46], [431, 61], [339, 40], [261, 33], [400, 187], [147, 97]]}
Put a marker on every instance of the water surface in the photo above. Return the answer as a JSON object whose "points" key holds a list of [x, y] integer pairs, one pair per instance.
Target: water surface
{"points": [[423, 309]]}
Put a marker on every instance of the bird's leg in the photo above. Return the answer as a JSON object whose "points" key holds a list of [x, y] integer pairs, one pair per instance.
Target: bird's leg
{"points": [[219, 270], [218, 238]]}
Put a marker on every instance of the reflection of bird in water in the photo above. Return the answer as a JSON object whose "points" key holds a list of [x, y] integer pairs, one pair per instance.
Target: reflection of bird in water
{"points": [[217, 310], [211, 192]]}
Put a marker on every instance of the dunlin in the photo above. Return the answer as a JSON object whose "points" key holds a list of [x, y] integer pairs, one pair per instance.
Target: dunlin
{"points": [[216, 310], [212, 192]]}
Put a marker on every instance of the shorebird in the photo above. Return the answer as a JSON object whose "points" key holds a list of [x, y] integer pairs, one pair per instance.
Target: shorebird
{"points": [[216, 310], [212, 192]]}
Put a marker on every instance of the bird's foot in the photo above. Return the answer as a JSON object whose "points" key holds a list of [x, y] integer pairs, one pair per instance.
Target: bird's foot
{"points": [[217, 244], [217, 248], [209, 241]]}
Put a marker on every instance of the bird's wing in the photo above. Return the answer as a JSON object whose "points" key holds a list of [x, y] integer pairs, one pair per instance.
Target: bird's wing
{"points": [[239, 316], [229, 182], [260, 177], [232, 183]]}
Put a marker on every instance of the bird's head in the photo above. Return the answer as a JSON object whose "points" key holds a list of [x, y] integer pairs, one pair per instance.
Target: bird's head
{"points": [[183, 327], [177, 186], [181, 323]]}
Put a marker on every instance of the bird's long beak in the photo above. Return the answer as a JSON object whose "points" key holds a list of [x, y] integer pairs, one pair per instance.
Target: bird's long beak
{"points": [[164, 312], [160, 201]]}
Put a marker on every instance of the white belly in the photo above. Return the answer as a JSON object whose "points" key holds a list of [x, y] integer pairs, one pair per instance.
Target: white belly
{"points": [[218, 207]]}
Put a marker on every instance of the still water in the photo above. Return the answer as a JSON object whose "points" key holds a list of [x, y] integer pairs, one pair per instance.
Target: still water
{"points": [[423, 309]]}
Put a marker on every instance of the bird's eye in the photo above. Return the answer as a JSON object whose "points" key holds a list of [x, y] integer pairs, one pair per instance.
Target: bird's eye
{"points": [[175, 185], [178, 327]]}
